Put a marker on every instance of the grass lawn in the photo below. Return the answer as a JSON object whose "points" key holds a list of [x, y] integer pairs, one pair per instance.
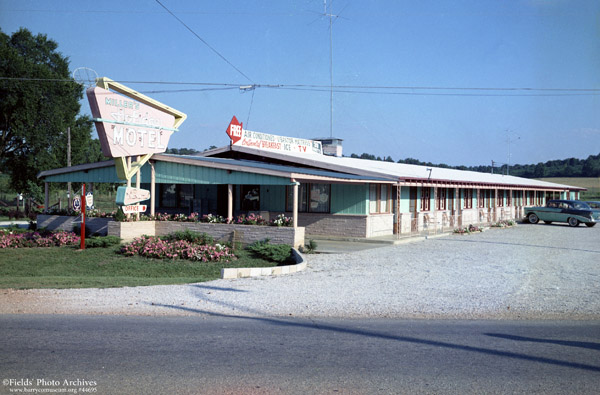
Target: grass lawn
{"points": [[68, 267]]}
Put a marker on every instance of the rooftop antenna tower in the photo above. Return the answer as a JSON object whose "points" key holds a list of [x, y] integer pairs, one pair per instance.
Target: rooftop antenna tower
{"points": [[327, 13]]}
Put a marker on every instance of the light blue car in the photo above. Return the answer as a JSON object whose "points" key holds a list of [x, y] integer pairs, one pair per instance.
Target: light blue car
{"points": [[572, 212]]}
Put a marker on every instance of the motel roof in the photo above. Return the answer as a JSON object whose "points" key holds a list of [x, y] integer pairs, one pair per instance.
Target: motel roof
{"points": [[402, 173], [198, 169]]}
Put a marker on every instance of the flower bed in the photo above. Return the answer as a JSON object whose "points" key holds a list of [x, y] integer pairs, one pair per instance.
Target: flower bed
{"points": [[467, 230], [36, 239], [159, 248], [503, 224]]}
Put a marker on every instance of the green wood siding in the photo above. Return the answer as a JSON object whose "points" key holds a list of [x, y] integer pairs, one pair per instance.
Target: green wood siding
{"points": [[177, 173], [173, 173], [103, 174], [272, 197], [349, 199]]}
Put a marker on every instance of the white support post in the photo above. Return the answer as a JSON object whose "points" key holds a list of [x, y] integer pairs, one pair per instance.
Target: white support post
{"points": [[152, 189], [295, 206], [229, 202], [138, 183]]}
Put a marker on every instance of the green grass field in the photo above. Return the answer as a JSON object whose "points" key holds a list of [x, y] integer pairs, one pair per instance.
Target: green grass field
{"points": [[591, 183], [69, 267]]}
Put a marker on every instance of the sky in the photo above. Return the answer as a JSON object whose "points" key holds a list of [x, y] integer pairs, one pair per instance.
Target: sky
{"points": [[455, 82]]}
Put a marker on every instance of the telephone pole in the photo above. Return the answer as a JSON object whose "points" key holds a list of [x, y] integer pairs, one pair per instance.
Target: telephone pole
{"points": [[69, 197]]}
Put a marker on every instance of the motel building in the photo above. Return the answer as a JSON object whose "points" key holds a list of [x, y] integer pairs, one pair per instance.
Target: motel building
{"points": [[324, 192]]}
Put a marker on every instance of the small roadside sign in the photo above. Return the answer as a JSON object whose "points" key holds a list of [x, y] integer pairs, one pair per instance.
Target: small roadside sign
{"points": [[134, 208], [76, 203], [89, 200]]}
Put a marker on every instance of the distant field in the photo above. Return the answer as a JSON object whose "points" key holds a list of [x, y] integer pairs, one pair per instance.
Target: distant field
{"points": [[591, 183]]}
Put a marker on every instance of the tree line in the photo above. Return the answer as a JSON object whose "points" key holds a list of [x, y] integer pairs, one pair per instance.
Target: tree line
{"points": [[571, 167]]}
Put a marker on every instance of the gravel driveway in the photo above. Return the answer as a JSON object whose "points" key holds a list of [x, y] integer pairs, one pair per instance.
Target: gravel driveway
{"points": [[525, 272]]}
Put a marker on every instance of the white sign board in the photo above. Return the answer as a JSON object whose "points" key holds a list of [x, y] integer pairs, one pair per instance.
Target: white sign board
{"points": [[134, 208]]}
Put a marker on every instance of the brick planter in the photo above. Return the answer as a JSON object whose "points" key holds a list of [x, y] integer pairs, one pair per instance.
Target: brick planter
{"points": [[127, 231], [245, 234]]}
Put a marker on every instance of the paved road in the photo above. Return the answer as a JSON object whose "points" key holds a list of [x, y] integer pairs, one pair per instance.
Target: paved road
{"points": [[235, 355]]}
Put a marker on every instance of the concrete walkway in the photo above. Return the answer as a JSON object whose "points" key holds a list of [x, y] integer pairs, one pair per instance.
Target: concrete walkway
{"points": [[341, 244]]}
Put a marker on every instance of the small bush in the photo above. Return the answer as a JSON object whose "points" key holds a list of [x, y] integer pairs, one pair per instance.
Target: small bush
{"points": [[280, 253], [77, 231], [310, 248], [191, 237], [102, 242]]}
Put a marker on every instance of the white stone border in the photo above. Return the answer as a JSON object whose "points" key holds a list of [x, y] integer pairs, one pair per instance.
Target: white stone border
{"points": [[242, 272]]}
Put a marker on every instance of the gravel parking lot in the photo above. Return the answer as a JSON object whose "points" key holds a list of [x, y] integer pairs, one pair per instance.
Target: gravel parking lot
{"points": [[525, 272]]}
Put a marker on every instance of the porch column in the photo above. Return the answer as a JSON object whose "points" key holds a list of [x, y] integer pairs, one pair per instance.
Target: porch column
{"points": [[458, 204], [229, 202], [138, 183], [46, 196], [295, 204], [152, 188], [495, 205]]}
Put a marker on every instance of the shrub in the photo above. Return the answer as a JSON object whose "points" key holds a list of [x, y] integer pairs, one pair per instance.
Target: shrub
{"points": [[310, 248], [191, 237], [102, 242], [77, 230], [281, 253]]}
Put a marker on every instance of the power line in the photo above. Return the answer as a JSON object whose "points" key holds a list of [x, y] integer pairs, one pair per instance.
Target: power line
{"points": [[203, 41], [358, 89]]}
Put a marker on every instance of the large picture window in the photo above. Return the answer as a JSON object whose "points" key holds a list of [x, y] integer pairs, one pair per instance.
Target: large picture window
{"points": [[250, 196], [312, 198]]}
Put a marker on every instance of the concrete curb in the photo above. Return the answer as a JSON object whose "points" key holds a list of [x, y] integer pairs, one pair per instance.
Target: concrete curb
{"points": [[266, 271]]}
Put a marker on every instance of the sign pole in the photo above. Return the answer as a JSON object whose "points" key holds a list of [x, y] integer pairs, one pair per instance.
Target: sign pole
{"points": [[82, 246]]}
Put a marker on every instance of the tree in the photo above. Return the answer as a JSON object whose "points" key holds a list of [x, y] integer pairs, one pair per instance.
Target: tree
{"points": [[39, 100]]}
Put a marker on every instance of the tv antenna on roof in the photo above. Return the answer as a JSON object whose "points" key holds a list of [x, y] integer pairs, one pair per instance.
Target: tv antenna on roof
{"points": [[85, 76], [327, 13]]}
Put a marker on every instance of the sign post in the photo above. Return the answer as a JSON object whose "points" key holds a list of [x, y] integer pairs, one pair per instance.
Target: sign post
{"points": [[82, 245]]}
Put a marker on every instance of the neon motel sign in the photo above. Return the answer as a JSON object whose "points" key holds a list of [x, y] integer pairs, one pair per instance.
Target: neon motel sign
{"points": [[127, 127]]}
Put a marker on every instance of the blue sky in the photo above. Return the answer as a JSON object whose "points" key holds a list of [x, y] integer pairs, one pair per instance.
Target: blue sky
{"points": [[536, 44]]}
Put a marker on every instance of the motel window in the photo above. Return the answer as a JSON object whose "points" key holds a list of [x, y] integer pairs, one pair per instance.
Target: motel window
{"points": [[468, 198], [509, 198], [500, 198], [425, 198], [168, 195], [250, 197], [441, 199], [176, 195], [379, 196], [312, 198]]}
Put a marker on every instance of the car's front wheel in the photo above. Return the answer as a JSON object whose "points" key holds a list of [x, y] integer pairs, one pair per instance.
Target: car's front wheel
{"points": [[590, 224], [533, 218], [573, 222]]}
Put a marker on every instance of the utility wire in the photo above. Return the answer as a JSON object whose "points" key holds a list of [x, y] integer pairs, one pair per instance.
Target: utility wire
{"points": [[359, 89], [203, 41]]}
